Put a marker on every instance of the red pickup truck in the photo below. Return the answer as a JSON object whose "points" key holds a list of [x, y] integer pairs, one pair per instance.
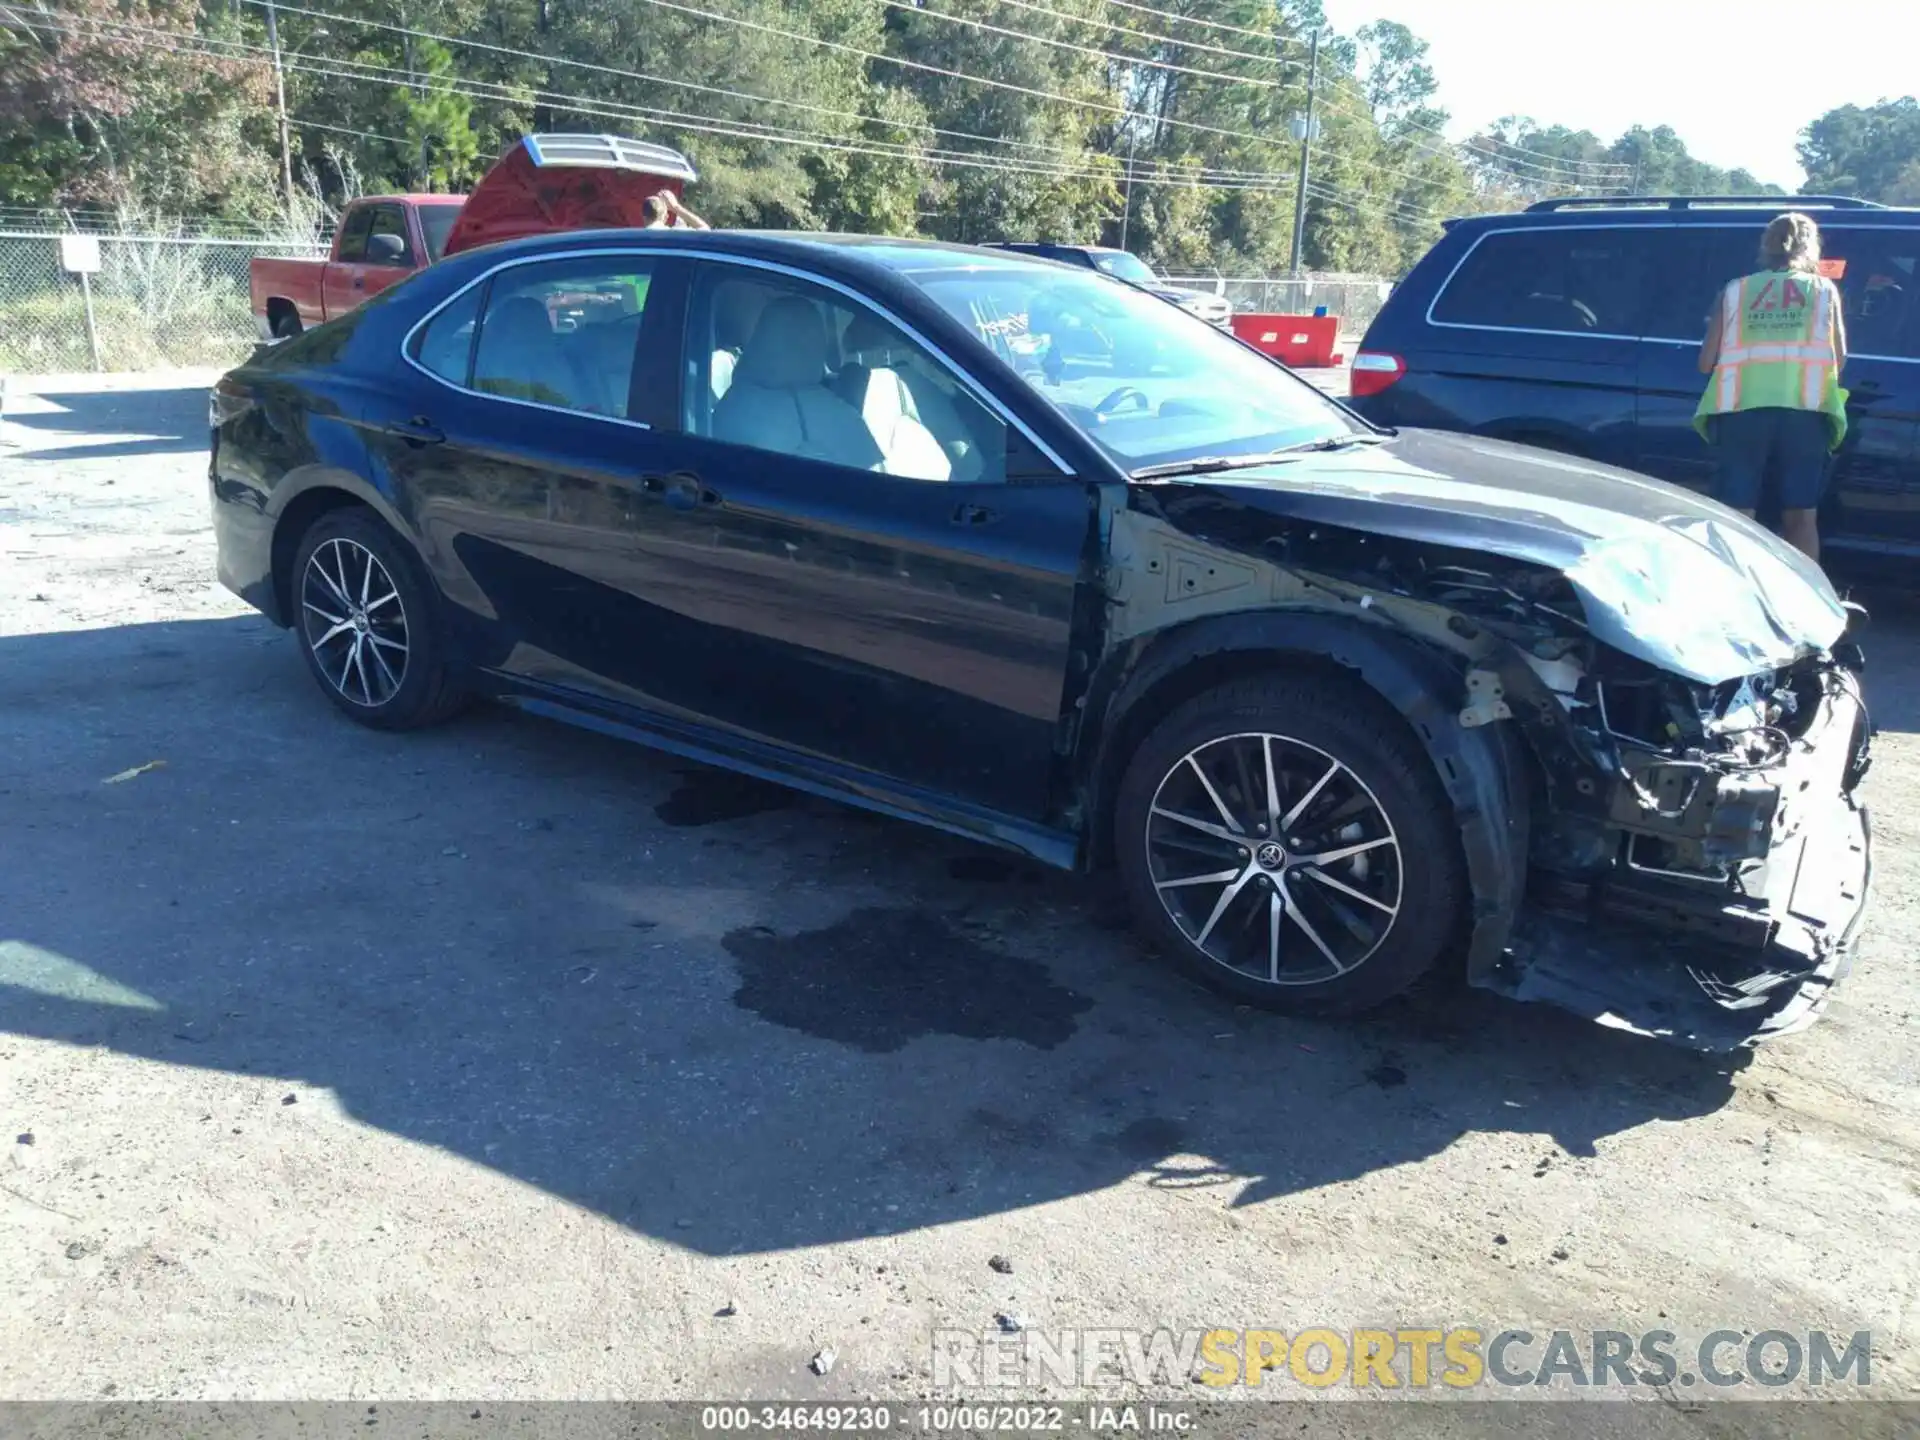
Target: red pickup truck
{"points": [[544, 183]]}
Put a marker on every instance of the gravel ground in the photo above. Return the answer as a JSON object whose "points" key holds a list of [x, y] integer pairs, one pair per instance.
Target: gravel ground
{"points": [[507, 1062]]}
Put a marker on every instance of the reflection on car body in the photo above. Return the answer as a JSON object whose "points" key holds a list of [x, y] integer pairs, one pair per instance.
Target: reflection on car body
{"points": [[1027, 555]]}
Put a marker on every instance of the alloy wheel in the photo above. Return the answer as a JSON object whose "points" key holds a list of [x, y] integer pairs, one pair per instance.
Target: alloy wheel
{"points": [[354, 622], [1274, 859]]}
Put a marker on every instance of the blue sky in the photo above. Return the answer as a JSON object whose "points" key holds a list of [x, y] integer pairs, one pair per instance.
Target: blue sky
{"points": [[1684, 63]]}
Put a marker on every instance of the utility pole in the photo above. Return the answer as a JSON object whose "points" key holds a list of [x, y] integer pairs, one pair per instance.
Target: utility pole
{"points": [[1305, 136], [280, 109], [1126, 214]]}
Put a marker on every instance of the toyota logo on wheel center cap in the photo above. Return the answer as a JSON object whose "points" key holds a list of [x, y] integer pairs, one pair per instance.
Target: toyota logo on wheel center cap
{"points": [[1269, 856]]}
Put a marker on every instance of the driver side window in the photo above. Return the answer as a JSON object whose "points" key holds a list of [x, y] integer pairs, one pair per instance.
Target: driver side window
{"points": [[780, 365]]}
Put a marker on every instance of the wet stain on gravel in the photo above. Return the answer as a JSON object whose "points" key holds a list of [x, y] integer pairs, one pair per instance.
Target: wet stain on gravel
{"points": [[882, 977], [1149, 1139], [707, 797], [1388, 1074]]}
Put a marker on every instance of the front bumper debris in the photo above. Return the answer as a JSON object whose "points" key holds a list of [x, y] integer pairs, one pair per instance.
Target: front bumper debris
{"points": [[1720, 965]]}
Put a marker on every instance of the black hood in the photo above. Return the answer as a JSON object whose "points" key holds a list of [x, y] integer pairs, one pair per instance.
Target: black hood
{"points": [[1676, 579]]}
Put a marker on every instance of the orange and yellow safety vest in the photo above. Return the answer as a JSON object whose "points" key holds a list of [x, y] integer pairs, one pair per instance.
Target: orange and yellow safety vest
{"points": [[1776, 350]]}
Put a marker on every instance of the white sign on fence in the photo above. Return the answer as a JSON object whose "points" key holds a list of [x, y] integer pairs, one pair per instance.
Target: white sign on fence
{"points": [[80, 254]]}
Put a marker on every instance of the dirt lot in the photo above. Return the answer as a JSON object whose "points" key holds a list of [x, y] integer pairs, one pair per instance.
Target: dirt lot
{"points": [[505, 1061]]}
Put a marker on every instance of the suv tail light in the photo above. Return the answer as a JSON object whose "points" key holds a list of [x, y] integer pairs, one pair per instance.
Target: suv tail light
{"points": [[1373, 371]]}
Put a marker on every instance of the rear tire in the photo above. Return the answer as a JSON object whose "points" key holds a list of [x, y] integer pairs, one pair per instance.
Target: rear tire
{"points": [[284, 323], [369, 624], [1323, 890]]}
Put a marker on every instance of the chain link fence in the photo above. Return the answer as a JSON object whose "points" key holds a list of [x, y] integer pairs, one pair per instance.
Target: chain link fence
{"points": [[181, 299], [158, 301], [1355, 299]]}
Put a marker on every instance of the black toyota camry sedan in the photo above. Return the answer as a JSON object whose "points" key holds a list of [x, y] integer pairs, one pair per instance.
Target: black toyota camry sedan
{"points": [[1021, 553]]}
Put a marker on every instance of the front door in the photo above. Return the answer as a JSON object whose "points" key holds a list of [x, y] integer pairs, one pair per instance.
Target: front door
{"points": [[356, 272], [519, 453], [845, 552]]}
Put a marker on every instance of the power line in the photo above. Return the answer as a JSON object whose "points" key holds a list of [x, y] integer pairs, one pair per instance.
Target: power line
{"points": [[365, 71], [1277, 178], [643, 76], [904, 63], [1546, 159], [1107, 55]]}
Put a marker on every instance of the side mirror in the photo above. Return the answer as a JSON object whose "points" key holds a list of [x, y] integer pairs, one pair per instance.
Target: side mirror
{"points": [[386, 250]]}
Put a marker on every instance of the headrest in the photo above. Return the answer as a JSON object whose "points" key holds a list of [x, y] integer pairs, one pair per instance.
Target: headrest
{"points": [[864, 332], [789, 347], [521, 320]]}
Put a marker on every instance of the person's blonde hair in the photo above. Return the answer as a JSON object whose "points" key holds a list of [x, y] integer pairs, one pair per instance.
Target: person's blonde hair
{"points": [[1792, 242]]}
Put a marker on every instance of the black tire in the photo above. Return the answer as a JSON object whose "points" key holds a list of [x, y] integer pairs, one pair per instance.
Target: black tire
{"points": [[1389, 907], [382, 661], [284, 323]]}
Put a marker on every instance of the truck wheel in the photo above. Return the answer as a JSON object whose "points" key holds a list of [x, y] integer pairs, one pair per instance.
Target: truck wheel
{"points": [[1286, 838], [284, 322]]}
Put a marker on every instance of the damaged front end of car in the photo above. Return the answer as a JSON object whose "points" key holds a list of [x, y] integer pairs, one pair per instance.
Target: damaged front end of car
{"points": [[1675, 846]]}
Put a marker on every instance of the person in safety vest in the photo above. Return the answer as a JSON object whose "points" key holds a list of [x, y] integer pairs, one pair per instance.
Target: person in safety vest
{"points": [[1775, 344]]}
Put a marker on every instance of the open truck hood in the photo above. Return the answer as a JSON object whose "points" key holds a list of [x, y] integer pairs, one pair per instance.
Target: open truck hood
{"points": [[566, 182], [1666, 575]]}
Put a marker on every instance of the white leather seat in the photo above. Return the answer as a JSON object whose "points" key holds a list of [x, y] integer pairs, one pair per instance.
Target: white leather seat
{"points": [[779, 400]]}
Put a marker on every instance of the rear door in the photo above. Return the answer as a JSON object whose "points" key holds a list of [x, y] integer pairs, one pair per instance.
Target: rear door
{"points": [[1874, 500], [1533, 337], [519, 441]]}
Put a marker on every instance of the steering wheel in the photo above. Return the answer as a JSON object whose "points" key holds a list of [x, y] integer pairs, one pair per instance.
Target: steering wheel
{"points": [[1111, 405]]}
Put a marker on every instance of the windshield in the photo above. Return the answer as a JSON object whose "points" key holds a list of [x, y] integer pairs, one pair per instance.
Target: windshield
{"points": [[1122, 266], [1145, 381], [435, 222]]}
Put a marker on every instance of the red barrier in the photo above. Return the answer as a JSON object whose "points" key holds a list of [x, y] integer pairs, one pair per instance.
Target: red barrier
{"points": [[1298, 340]]}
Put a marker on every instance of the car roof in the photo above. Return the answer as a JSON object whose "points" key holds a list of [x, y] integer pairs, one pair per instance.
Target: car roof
{"points": [[1665, 213], [823, 252]]}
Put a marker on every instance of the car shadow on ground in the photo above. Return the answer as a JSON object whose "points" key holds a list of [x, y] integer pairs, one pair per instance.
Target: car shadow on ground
{"points": [[729, 1017], [153, 422]]}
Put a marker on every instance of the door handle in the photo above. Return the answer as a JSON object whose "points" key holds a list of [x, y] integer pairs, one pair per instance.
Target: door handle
{"points": [[359, 282], [974, 515], [417, 431], [681, 490]]}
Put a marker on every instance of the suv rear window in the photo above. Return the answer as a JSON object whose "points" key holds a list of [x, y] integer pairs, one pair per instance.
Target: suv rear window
{"points": [[1561, 279]]}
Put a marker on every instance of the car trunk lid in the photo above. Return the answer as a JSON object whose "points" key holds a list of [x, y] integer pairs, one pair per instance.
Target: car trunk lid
{"points": [[547, 183]]}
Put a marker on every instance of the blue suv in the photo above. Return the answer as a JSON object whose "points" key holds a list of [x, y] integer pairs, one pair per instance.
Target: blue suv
{"points": [[1576, 324]]}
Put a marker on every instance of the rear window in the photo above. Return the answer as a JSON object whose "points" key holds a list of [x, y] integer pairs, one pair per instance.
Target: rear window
{"points": [[1560, 280]]}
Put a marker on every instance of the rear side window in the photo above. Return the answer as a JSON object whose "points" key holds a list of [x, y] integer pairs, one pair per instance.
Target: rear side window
{"points": [[1880, 282], [1877, 270], [447, 341], [563, 333], [1562, 280]]}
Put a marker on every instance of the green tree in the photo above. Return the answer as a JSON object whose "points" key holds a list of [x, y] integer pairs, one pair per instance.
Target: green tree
{"points": [[1870, 151]]}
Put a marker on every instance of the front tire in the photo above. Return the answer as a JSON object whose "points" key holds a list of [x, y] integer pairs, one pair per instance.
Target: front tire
{"points": [[1286, 838], [369, 625]]}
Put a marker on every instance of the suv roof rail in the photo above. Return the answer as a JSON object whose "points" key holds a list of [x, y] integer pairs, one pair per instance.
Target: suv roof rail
{"points": [[1687, 202]]}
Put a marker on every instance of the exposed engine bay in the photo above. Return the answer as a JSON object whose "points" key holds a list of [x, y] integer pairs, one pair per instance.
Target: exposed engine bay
{"points": [[1694, 861]]}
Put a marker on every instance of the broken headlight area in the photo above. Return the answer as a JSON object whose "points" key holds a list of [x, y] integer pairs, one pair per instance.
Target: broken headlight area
{"points": [[1705, 882], [1697, 861]]}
